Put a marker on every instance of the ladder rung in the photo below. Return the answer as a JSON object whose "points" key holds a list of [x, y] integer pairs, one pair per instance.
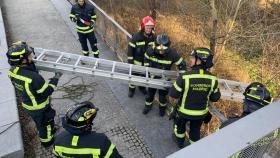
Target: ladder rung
{"points": [[77, 62], [38, 58], [226, 86], [113, 68], [95, 65], [59, 58]]}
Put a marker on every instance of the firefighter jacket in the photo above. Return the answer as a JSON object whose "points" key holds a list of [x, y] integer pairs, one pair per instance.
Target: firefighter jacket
{"points": [[34, 90], [84, 16], [164, 62], [88, 144], [195, 89], [138, 46]]}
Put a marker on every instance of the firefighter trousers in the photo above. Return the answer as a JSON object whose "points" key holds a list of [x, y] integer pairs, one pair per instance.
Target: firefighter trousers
{"points": [[83, 37], [44, 120], [180, 129], [151, 95]]}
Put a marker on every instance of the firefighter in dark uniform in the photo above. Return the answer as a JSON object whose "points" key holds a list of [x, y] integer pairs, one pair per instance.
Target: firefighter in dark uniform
{"points": [[35, 92], [138, 45], [84, 16], [194, 88], [256, 97], [161, 57], [78, 140]]}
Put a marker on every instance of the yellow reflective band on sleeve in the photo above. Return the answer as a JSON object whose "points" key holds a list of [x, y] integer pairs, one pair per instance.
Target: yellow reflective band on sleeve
{"points": [[178, 88], [110, 151], [18, 53], [72, 15], [49, 135], [80, 151], [177, 134], [53, 86], [75, 140], [179, 61], [148, 103], [159, 61], [132, 44], [140, 43], [44, 87], [93, 17], [137, 62], [202, 51], [130, 58]]}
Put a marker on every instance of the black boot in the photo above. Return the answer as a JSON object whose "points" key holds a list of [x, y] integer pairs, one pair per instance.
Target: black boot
{"points": [[143, 90], [131, 92], [146, 109], [162, 110], [180, 142]]}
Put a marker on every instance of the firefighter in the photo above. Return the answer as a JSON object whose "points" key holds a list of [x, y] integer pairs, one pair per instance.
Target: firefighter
{"points": [[256, 97], [137, 47], [35, 92], [161, 57], [79, 140], [194, 90], [84, 16]]}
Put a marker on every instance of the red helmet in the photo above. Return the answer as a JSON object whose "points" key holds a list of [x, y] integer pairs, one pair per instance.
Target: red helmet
{"points": [[147, 21]]}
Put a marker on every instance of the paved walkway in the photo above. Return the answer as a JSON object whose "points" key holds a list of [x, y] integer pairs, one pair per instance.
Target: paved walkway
{"points": [[135, 135]]}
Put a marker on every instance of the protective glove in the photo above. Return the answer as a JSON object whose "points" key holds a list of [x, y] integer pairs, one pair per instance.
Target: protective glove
{"points": [[57, 75], [73, 19]]}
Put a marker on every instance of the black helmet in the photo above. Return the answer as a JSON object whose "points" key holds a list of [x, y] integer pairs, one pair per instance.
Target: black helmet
{"points": [[80, 117], [17, 52], [258, 93], [162, 42], [205, 55]]}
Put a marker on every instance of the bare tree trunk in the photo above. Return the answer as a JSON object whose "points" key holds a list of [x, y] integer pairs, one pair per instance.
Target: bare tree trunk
{"points": [[214, 26], [152, 6]]}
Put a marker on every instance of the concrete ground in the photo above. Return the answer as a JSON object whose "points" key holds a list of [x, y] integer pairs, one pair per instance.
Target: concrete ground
{"points": [[40, 24]]}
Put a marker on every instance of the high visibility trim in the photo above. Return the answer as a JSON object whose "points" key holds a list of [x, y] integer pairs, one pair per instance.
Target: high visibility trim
{"points": [[80, 151], [38, 106], [44, 87], [254, 96], [140, 43], [75, 140], [131, 86], [202, 52], [178, 135], [130, 58], [53, 86], [162, 104], [110, 151], [80, 31], [96, 52], [191, 142], [201, 71], [178, 88], [49, 135], [72, 15], [253, 88], [137, 62], [152, 44], [82, 28], [158, 60], [85, 52], [182, 71], [18, 53], [93, 17], [148, 103], [146, 64], [179, 61], [193, 112], [132, 44]]}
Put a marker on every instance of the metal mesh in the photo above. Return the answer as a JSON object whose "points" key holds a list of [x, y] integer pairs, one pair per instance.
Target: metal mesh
{"points": [[261, 148]]}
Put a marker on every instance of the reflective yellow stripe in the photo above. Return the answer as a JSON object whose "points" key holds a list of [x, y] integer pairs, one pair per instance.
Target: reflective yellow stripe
{"points": [[254, 96], [146, 64], [85, 52], [82, 28], [75, 140], [191, 142], [162, 104], [202, 51], [148, 103], [179, 61], [158, 60], [96, 52], [201, 71], [131, 86], [132, 44], [44, 87], [80, 151], [177, 134], [140, 43], [186, 78], [110, 151], [130, 58], [18, 53], [49, 135], [137, 62], [178, 88], [85, 31], [94, 16], [53, 86], [182, 71], [72, 15], [38, 107], [253, 88]]}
